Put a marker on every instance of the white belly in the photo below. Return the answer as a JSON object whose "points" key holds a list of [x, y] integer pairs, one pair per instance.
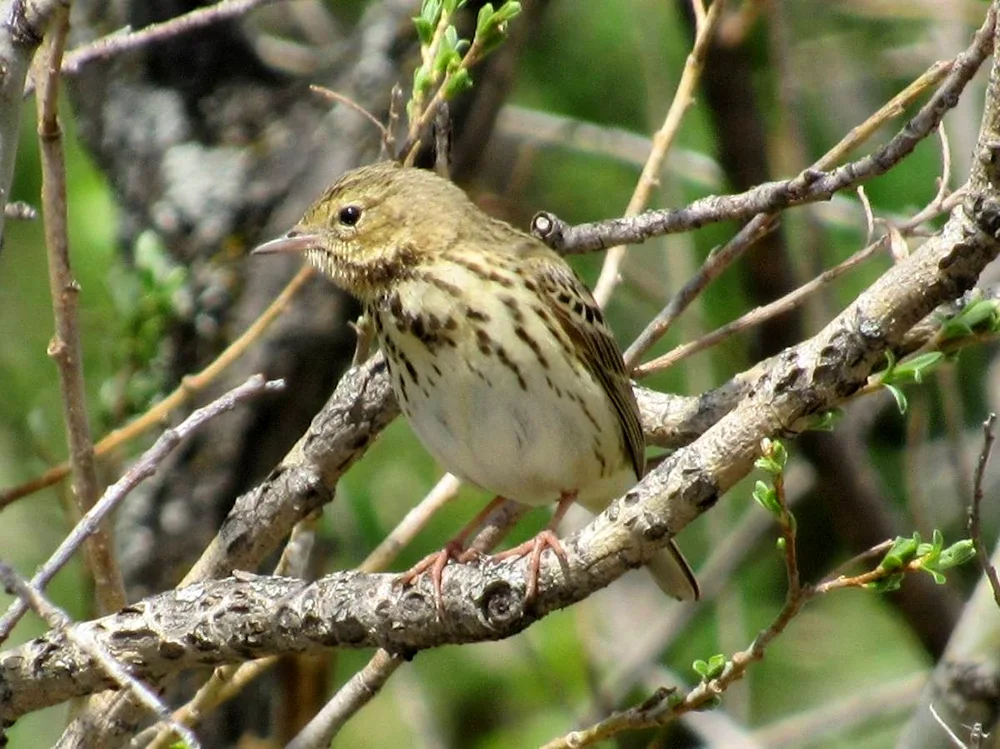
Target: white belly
{"points": [[502, 420]]}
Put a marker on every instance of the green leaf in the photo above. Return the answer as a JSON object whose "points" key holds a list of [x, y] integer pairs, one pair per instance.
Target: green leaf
{"points": [[773, 458], [425, 30], [901, 402], [977, 314], [914, 369], [716, 665], [902, 551], [712, 703], [508, 12], [712, 669], [484, 19], [457, 83], [887, 584], [826, 421], [766, 497], [431, 11], [958, 553]]}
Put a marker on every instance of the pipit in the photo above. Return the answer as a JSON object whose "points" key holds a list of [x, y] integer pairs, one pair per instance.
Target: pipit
{"points": [[500, 358]]}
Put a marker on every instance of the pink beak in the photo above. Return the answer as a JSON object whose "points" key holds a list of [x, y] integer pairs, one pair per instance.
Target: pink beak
{"points": [[294, 241]]}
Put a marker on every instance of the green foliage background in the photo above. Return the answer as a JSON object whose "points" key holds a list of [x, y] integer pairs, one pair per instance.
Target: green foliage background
{"points": [[614, 64]]}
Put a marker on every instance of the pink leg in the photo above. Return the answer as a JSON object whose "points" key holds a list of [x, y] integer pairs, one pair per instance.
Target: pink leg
{"points": [[454, 549], [535, 546]]}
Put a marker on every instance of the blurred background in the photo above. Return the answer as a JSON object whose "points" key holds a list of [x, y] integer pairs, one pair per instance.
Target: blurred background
{"points": [[183, 156]]}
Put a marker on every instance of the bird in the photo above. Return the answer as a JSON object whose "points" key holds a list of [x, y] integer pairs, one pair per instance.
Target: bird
{"points": [[499, 357]]}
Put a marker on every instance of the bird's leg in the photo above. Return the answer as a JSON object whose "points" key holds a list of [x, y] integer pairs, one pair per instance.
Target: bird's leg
{"points": [[535, 546], [454, 549]]}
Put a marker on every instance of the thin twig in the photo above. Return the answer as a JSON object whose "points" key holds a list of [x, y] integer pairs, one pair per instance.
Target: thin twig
{"points": [[125, 41], [792, 300], [975, 528], [812, 185], [145, 467], [60, 620], [348, 102], [901, 145], [65, 347], [711, 269], [662, 141], [665, 705], [190, 386], [412, 523]]}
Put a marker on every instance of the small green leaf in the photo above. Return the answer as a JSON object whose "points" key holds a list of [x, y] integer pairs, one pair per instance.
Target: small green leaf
{"points": [[425, 30], [766, 497], [978, 313], [701, 668], [887, 584], [430, 11], [484, 19], [901, 402], [938, 577], [712, 703], [958, 553], [716, 665], [914, 369], [508, 12], [781, 544], [826, 421], [902, 551], [457, 83]]}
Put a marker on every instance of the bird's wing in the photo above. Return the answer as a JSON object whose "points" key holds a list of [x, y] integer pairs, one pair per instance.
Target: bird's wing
{"points": [[571, 303]]}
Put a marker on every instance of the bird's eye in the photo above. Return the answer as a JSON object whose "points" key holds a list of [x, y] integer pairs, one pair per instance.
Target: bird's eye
{"points": [[349, 215]]}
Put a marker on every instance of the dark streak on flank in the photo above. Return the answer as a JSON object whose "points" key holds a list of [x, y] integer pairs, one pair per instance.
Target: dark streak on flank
{"points": [[531, 343], [507, 362], [484, 342]]}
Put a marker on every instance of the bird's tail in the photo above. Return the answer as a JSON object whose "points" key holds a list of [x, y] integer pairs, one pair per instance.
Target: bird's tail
{"points": [[672, 573]]}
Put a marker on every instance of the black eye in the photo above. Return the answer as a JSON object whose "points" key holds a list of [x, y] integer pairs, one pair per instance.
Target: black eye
{"points": [[349, 215]]}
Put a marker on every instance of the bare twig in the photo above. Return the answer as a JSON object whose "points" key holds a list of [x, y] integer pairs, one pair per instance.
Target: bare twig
{"points": [[662, 141], [349, 102], [146, 466], [416, 519], [60, 620], [119, 43], [666, 705], [190, 386], [65, 347], [22, 27], [355, 694], [788, 302], [813, 184], [711, 269], [975, 528], [800, 190]]}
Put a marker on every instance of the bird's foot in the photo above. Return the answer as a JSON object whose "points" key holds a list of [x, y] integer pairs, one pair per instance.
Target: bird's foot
{"points": [[546, 539], [435, 564]]}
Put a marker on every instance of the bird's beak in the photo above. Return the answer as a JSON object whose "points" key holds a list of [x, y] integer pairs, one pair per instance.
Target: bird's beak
{"points": [[294, 241]]}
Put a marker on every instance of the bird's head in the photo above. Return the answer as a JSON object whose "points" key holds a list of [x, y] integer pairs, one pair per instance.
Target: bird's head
{"points": [[373, 226]]}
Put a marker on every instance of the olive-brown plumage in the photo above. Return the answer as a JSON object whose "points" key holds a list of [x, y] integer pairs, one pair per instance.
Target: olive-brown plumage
{"points": [[499, 356]]}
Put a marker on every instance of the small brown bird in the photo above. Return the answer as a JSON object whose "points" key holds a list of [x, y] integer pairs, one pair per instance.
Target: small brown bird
{"points": [[498, 354]]}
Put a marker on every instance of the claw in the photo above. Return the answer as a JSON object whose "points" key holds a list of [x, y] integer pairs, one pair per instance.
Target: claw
{"points": [[436, 563], [545, 539]]}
